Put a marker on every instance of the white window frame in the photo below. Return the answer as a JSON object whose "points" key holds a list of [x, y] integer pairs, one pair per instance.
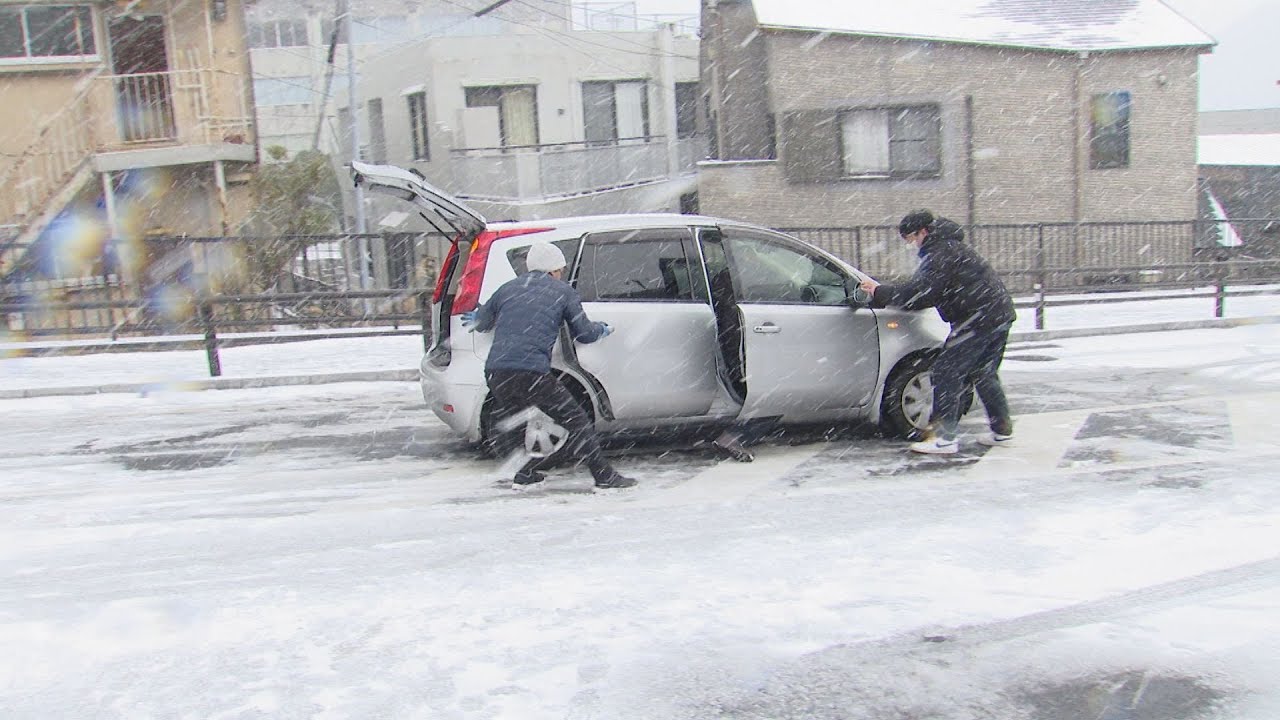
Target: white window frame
{"points": [[418, 124], [271, 31], [29, 59]]}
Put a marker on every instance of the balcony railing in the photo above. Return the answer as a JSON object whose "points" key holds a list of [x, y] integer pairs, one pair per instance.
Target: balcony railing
{"points": [[565, 169]]}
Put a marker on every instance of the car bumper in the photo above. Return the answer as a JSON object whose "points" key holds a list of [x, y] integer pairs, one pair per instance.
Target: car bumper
{"points": [[455, 401]]}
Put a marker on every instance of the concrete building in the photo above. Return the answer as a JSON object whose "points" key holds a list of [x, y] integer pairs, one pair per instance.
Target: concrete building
{"points": [[1015, 112], [530, 109]]}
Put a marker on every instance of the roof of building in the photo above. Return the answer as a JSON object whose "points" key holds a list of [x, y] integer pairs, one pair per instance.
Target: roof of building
{"points": [[1072, 25], [1245, 149]]}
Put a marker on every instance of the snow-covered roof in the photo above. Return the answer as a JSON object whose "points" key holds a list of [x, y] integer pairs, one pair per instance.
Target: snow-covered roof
{"points": [[1076, 25], [1239, 149]]}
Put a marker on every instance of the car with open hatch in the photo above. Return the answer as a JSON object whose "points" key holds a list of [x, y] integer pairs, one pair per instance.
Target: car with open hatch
{"points": [[716, 321]]}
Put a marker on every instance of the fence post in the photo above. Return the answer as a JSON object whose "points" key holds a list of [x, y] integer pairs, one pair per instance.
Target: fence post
{"points": [[1220, 294], [205, 312], [1042, 278]]}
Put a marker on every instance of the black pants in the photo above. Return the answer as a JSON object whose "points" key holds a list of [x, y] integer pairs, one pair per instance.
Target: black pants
{"points": [[516, 390], [970, 359]]}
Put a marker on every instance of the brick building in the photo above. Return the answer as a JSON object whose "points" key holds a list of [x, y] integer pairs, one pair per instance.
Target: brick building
{"points": [[1021, 111]]}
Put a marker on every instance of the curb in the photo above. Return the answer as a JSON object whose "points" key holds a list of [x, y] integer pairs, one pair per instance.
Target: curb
{"points": [[244, 383]]}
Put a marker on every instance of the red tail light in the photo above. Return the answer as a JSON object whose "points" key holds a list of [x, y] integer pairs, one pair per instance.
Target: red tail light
{"points": [[473, 273]]}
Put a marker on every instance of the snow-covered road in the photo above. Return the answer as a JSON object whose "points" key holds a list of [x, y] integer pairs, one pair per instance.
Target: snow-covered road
{"points": [[332, 552]]}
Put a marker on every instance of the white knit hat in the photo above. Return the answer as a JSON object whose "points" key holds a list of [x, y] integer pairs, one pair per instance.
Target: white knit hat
{"points": [[545, 257]]}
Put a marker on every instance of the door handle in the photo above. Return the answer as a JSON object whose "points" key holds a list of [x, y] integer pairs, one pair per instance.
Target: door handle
{"points": [[766, 329]]}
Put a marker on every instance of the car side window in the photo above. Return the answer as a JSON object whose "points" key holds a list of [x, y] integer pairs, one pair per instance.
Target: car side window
{"points": [[769, 270], [645, 265]]}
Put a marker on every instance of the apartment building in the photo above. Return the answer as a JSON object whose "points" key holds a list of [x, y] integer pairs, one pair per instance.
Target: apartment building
{"points": [[529, 110], [122, 120]]}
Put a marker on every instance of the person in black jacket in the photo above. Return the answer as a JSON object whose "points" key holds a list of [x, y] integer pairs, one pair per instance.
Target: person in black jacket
{"points": [[525, 315], [970, 296]]}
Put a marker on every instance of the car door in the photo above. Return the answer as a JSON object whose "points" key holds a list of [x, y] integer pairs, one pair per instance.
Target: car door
{"points": [[660, 361], [806, 352]]}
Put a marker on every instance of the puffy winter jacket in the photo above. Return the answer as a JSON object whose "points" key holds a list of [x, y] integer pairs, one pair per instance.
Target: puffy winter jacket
{"points": [[525, 315], [956, 280]]}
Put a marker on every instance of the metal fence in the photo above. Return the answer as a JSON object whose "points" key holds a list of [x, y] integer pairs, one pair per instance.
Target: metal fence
{"points": [[1079, 256], [381, 283]]}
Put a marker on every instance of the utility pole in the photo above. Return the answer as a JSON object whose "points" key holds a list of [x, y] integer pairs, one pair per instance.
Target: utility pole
{"points": [[328, 75], [362, 244]]}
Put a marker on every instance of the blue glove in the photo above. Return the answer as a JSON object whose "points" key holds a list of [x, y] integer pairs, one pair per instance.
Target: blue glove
{"points": [[468, 319], [605, 330]]}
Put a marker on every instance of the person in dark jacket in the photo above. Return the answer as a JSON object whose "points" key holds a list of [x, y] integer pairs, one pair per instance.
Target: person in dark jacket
{"points": [[970, 296], [525, 315]]}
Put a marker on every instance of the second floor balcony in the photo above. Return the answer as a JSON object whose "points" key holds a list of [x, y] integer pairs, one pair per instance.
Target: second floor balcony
{"points": [[120, 122], [533, 172]]}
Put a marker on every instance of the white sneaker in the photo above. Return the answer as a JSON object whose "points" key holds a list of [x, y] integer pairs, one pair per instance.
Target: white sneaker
{"points": [[995, 439], [936, 446]]}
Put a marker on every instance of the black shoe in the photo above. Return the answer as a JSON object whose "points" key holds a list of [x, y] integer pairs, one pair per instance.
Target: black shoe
{"points": [[525, 479], [732, 447], [616, 481]]}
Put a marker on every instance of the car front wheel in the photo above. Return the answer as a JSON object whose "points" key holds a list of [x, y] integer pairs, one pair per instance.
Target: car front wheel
{"points": [[907, 404]]}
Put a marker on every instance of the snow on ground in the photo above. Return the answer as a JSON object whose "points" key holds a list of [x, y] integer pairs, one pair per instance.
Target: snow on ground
{"points": [[332, 552]]}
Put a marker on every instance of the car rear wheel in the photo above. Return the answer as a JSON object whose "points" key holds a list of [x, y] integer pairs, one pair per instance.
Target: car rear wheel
{"points": [[907, 404]]}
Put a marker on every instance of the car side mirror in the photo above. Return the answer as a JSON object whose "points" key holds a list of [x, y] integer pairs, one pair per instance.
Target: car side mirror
{"points": [[855, 296]]}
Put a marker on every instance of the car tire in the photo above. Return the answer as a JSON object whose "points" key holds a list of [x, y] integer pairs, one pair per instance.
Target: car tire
{"points": [[907, 403]]}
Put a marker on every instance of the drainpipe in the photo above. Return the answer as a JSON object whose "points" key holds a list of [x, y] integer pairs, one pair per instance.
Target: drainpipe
{"points": [[968, 154], [1077, 139], [220, 180], [123, 252]]}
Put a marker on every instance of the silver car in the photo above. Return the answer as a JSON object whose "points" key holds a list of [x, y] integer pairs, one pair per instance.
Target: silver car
{"points": [[715, 321]]}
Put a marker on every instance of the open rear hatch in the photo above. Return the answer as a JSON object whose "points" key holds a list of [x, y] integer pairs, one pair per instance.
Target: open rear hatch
{"points": [[449, 216]]}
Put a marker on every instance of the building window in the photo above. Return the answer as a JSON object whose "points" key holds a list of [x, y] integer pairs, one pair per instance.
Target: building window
{"points": [[418, 125], [44, 32], [613, 111], [517, 107], [282, 91], [892, 142], [278, 33], [687, 99], [1109, 130]]}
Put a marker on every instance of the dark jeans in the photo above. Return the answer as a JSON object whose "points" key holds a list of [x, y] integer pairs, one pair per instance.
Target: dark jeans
{"points": [[970, 359], [515, 390]]}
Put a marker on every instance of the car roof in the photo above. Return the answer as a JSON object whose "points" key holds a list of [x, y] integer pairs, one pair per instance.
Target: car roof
{"points": [[617, 221]]}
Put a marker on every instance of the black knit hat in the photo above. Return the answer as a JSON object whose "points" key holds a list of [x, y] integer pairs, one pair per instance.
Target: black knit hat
{"points": [[915, 220]]}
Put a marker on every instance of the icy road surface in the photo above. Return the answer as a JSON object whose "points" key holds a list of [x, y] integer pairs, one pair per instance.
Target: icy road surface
{"points": [[332, 552]]}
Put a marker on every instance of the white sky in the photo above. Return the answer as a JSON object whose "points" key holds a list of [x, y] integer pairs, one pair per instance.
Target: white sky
{"points": [[1242, 72]]}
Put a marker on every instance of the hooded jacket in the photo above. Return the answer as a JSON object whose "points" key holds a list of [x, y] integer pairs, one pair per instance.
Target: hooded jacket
{"points": [[525, 315], [955, 279]]}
